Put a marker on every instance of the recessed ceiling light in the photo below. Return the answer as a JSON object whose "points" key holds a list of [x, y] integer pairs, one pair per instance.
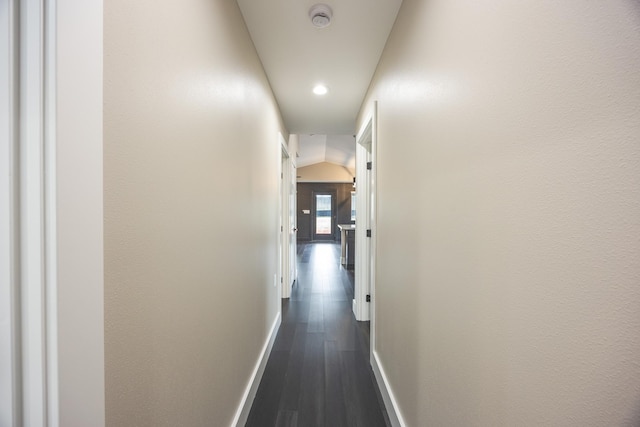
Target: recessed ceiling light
{"points": [[320, 89]]}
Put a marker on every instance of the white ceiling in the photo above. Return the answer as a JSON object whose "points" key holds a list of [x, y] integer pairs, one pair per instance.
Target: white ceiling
{"points": [[338, 149], [296, 55]]}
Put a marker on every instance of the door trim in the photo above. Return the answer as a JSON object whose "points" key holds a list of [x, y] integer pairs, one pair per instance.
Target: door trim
{"points": [[366, 199], [38, 216], [58, 250], [10, 367]]}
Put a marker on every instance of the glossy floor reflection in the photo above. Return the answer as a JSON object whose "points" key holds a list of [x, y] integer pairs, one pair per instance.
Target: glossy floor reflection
{"points": [[318, 372]]}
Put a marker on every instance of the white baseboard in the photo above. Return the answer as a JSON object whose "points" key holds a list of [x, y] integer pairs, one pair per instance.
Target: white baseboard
{"points": [[244, 408], [387, 394]]}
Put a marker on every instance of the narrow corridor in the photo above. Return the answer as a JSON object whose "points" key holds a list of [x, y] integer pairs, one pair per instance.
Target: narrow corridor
{"points": [[318, 373]]}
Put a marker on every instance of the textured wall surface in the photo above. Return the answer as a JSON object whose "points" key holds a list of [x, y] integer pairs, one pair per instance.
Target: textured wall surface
{"points": [[191, 169], [509, 141]]}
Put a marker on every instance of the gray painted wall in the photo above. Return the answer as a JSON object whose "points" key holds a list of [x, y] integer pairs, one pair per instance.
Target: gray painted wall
{"points": [[189, 263], [508, 275]]}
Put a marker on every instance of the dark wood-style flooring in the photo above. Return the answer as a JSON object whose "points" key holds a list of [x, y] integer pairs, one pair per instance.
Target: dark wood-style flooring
{"points": [[318, 373]]}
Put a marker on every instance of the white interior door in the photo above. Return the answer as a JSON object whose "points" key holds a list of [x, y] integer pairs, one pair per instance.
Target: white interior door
{"points": [[293, 226], [283, 246], [288, 223]]}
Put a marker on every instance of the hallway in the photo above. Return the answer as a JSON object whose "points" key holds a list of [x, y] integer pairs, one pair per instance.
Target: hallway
{"points": [[318, 372], [147, 149]]}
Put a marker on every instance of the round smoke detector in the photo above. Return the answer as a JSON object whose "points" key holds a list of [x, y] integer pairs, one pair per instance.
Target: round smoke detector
{"points": [[320, 15]]}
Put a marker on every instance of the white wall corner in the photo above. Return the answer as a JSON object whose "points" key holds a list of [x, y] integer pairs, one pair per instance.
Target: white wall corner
{"points": [[242, 414]]}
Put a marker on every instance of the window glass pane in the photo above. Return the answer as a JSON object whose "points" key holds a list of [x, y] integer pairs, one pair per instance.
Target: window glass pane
{"points": [[353, 206], [323, 214]]}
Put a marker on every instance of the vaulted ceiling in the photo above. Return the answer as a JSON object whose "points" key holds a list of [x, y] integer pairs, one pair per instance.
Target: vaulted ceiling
{"points": [[338, 149], [296, 55]]}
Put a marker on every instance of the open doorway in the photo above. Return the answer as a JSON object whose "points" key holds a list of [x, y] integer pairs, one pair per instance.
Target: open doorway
{"points": [[364, 299]]}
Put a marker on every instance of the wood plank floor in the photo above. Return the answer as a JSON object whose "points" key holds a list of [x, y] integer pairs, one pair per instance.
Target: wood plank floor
{"points": [[318, 373]]}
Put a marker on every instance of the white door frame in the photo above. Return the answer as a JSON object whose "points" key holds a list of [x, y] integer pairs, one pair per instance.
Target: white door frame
{"points": [[38, 220], [28, 359], [10, 393], [51, 326], [365, 253], [283, 255]]}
